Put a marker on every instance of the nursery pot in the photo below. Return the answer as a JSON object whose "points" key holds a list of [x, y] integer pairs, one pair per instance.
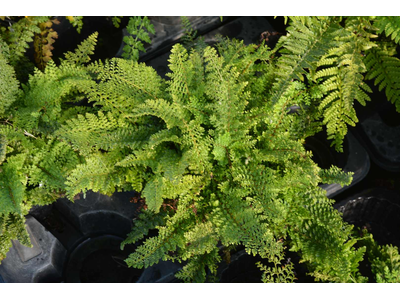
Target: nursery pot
{"points": [[100, 259], [377, 210], [379, 129], [75, 242], [80, 242]]}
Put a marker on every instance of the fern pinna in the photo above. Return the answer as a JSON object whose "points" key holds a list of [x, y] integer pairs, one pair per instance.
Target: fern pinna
{"points": [[213, 151]]}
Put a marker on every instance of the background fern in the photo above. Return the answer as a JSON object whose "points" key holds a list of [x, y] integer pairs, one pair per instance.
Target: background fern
{"points": [[137, 28]]}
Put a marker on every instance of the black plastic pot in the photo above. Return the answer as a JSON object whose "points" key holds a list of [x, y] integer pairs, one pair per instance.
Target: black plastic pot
{"points": [[381, 140], [80, 242], [377, 210], [41, 263], [379, 131]]}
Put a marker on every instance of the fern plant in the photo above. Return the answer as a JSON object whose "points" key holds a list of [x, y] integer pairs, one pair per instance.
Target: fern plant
{"points": [[213, 151]]}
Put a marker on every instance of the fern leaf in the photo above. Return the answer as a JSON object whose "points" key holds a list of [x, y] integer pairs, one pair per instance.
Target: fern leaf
{"points": [[12, 227], [182, 73], [116, 21], [12, 190], [154, 249], [124, 84], [50, 166], [102, 131], [145, 221], [9, 86], [196, 269], [97, 174], [343, 84], [153, 192], [171, 114], [305, 44], [83, 52], [385, 69]]}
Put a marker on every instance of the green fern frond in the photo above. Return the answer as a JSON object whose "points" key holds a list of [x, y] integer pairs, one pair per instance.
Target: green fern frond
{"points": [[343, 84], [153, 192], [97, 174], [116, 21], [154, 249], [196, 269], [303, 47], [83, 52], [335, 175], [336, 253], [124, 84], [9, 86], [12, 190], [102, 131], [189, 35], [171, 114], [385, 69], [12, 227], [278, 273], [182, 74], [383, 259], [44, 96], [50, 166]]}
